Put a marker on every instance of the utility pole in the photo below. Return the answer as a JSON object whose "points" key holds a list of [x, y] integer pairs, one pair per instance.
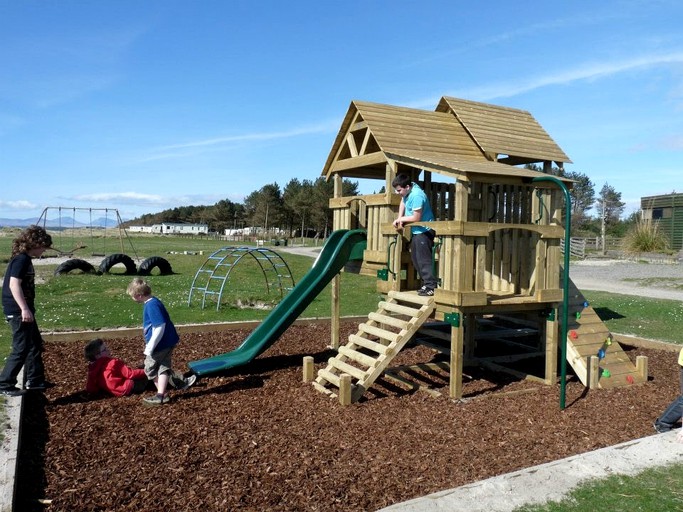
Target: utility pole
{"points": [[266, 227], [604, 214]]}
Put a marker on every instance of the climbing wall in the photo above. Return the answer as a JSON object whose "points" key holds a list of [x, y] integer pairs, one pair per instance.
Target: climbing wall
{"points": [[588, 336]]}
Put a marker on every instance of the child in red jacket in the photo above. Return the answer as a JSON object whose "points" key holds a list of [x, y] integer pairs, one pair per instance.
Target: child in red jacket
{"points": [[110, 374]]}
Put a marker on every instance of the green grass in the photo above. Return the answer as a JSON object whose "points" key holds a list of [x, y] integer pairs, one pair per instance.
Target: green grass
{"points": [[653, 490], [668, 282], [86, 301], [657, 319]]}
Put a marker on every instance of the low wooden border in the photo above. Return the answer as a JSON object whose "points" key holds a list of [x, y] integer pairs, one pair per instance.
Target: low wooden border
{"points": [[132, 332]]}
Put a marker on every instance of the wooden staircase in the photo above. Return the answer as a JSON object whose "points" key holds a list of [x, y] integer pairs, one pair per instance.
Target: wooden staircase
{"points": [[587, 335], [368, 352]]}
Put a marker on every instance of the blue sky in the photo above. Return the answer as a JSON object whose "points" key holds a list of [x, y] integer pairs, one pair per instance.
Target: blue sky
{"points": [[148, 105]]}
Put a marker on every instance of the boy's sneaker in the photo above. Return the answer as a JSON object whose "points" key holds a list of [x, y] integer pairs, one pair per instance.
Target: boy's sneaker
{"points": [[661, 429], [13, 391], [176, 380], [426, 292], [156, 400], [39, 386], [188, 381]]}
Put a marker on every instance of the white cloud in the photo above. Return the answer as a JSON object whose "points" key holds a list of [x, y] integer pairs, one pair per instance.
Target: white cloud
{"points": [[18, 205], [155, 201], [121, 197], [587, 71], [220, 143]]}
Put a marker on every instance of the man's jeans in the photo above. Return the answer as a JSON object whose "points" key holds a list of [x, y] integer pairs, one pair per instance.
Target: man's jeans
{"points": [[27, 348], [674, 412]]}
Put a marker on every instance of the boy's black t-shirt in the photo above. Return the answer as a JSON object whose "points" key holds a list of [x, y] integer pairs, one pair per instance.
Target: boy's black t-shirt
{"points": [[20, 267]]}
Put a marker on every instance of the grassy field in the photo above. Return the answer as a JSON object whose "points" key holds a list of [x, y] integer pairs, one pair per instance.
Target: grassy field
{"points": [[79, 301], [639, 316], [653, 490]]}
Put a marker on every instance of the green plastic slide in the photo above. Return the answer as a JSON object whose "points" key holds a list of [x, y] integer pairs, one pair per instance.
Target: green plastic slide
{"points": [[341, 247]]}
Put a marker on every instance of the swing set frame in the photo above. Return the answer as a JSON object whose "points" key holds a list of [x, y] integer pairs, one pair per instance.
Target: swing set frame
{"points": [[63, 228]]}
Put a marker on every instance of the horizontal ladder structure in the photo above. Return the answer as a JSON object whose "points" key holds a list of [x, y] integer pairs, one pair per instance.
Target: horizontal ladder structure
{"points": [[211, 278], [587, 339], [368, 352]]}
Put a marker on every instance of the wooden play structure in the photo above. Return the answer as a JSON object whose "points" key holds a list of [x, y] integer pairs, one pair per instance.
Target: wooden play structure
{"points": [[498, 256]]}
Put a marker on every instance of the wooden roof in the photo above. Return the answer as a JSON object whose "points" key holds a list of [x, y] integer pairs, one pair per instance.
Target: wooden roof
{"points": [[373, 134], [465, 168], [504, 131]]}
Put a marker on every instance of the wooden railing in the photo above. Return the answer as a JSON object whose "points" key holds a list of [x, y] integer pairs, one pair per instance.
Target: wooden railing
{"points": [[369, 212], [480, 263]]}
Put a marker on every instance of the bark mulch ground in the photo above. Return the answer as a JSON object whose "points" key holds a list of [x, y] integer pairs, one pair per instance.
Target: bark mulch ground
{"points": [[259, 438]]}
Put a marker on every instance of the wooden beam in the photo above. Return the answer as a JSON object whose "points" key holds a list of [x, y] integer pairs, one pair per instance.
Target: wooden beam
{"points": [[457, 356], [351, 144], [358, 161]]}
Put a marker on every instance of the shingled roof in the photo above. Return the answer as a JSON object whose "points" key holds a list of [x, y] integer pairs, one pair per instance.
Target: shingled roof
{"points": [[454, 140], [504, 131]]}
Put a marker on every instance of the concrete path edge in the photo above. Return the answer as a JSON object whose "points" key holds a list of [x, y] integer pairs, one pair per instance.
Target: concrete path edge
{"points": [[9, 450], [551, 481]]}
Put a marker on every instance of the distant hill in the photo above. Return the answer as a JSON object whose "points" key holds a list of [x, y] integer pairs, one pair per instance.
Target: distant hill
{"points": [[63, 223]]}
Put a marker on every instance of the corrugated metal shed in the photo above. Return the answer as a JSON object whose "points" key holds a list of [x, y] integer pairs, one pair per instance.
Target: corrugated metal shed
{"points": [[667, 210]]}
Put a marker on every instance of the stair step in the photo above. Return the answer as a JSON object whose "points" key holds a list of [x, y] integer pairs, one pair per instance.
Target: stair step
{"points": [[388, 320], [398, 308], [359, 357], [380, 333], [322, 388], [329, 376], [412, 297], [369, 344], [343, 367]]}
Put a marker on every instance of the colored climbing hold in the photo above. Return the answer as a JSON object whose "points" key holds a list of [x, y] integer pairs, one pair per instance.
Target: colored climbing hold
{"points": [[608, 341], [629, 379], [606, 373], [578, 315], [601, 354], [585, 304], [573, 335]]}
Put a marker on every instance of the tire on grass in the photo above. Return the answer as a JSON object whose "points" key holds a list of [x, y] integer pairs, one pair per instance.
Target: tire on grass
{"points": [[75, 264], [115, 259], [153, 262]]}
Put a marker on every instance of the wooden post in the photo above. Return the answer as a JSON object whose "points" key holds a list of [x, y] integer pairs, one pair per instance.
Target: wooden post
{"points": [[455, 384], [335, 321], [469, 337], [641, 366], [552, 339], [309, 369], [593, 371], [345, 389], [338, 184]]}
